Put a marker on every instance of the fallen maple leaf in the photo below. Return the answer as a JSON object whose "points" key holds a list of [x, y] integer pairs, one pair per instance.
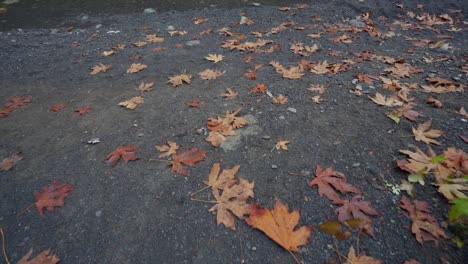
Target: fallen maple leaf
{"points": [[361, 258], [382, 100], [187, 157], [4, 112], [317, 88], [153, 38], [369, 79], [355, 209], [132, 103], [422, 133], [330, 180], [127, 153], [281, 144], [233, 199], [434, 102], [424, 226], [210, 74], [214, 58], [179, 79], [100, 68], [45, 257], [169, 149], [259, 88], [454, 189], [199, 20], [136, 67], [317, 99], [280, 99], [291, 73], [52, 196], [223, 180], [195, 103], [278, 224], [17, 101], [344, 38], [82, 111], [250, 74], [8, 163], [230, 94], [145, 87], [56, 108]]}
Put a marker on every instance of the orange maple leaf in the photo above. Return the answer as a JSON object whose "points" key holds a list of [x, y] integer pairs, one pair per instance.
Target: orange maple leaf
{"points": [[82, 111], [43, 258], [8, 163], [278, 224], [330, 180], [17, 101], [52, 196], [169, 149], [424, 226], [187, 157], [56, 108], [426, 135], [361, 258], [127, 153]]}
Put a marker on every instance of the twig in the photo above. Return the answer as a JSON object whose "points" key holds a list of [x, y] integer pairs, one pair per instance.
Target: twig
{"points": [[203, 201], [201, 190], [4, 246], [295, 258], [300, 174], [24, 211], [337, 252]]}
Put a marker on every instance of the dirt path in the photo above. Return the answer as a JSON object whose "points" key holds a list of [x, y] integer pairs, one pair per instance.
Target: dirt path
{"points": [[141, 212]]}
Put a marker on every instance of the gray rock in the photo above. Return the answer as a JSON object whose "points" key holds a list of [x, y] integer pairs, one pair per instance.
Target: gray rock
{"points": [[84, 18], [98, 213], [193, 43], [252, 129], [266, 137], [149, 11], [282, 117], [273, 166], [170, 28], [357, 164], [292, 110]]}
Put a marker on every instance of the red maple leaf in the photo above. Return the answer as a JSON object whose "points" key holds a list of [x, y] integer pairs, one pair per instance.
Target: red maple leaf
{"points": [[357, 209], [82, 111], [187, 157], [57, 107], [17, 101], [4, 112], [127, 153], [330, 180], [52, 196], [195, 103]]}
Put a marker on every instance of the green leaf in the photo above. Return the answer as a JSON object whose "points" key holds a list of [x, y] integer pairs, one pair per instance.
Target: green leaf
{"points": [[460, 208], [330, 227], [416, 178], [458, 241], [438, 159], [394, 118]]}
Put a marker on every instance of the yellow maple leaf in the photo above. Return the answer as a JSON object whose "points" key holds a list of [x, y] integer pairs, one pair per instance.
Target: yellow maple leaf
{"points": [[280, 99], [179, 79], [136, 67], [281, 144], [214, 58], [223, 180], [382, 100], [132, 103], [210, 74], [278, 224], [169, 149], [100, 68], [291, 73], [361, 258], [230, 94]]}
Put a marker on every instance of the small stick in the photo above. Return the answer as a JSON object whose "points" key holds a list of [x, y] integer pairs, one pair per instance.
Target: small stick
{"points": [[337, 252], [201, 190], [4, 246], [24, 211], [203, 201], [295, 258]]}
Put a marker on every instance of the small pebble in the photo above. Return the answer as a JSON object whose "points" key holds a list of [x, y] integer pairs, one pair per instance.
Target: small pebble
{"points": [[98, 26], [192, 43], [274, 166], [170, 28], [357, 164], [254, 248], [256, 4], [99, 213], [282, 117], [292, 110], [456, 78], [149, 10], [266, 137], [354, 81]]}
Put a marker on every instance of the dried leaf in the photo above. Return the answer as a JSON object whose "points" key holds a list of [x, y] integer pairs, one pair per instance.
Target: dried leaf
{"points": [[179, 79], [56, 108], [136, 67], [280, 99], [17, 101], [382, 100], [278, 224], [82, 111], [153, 38], [210, 74], [230, 94], [187, 157], [356, 209], [361, 258], [291, 73], [259, 88], [52, 196], [169, 149], [223, 180], [45, 257], [8, 163], [426, 135], [127, 153], [214, 58], [330, 180], [434, 102], [132, 103], [100, 68], [145, 87], [282, 144]]}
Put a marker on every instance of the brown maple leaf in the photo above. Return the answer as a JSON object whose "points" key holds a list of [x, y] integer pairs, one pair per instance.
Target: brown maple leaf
{"points": [[179, 79], [56, 107], [169, 149], [291, 73], [320, 68], [153, 38], [279, 224], [8, 163], [45, 257], [424, 226], [233, 199], [82, 111], [250, 74], [199, 20], [281, 144], [280, 99], [136, 67], [355, 209], [132, 103], [145, 87], [127, 153], [344, 38], [434, 102], [187, 157], [223, 180], [369, 79], [259, 88], [229, 94], [52, 196], [210, 74], [317, 88], [100, 68], [382, 100], [317, 99], [426, 135], [329, 180], [361, 258], [195, 103]]}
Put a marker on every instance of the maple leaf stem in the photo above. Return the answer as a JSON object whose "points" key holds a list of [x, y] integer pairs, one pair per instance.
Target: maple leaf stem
{"points": [[300, 174], [24, 210], [338, 252], [203, 201], [295, 258], [201, 190], [4, 246]]}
